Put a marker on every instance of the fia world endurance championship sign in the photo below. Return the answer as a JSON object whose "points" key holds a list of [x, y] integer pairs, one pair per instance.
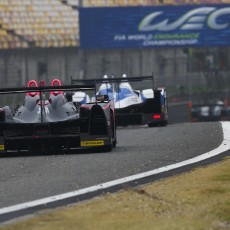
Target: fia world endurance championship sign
{"points": [[163, 26]]}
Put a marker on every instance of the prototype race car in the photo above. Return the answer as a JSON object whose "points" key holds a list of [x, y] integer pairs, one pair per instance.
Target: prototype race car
{"points": [[212, 111], [52, 124], [146, 106]]}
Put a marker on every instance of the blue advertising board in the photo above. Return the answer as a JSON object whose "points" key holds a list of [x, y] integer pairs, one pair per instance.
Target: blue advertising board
{"points": [[158, 26]]}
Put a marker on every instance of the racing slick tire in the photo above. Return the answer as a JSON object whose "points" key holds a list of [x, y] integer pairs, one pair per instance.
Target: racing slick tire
{"points": [[2, 119], [114, 143], [150, 125], [108, 148], [162, 124], [2, 115]]}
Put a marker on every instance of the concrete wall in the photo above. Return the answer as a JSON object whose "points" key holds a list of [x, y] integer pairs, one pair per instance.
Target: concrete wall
{"points": [[171, 67]]}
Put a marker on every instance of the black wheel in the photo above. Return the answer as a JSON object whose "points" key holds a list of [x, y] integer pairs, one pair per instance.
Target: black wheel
{"points": [[150, 125], [108, 148], [164, 123], [114, 143], [114, 129], [2, 115]]}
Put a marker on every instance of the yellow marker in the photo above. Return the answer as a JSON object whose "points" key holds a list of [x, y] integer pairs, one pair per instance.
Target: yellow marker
{"points": [[92, 143], [2, 147]]}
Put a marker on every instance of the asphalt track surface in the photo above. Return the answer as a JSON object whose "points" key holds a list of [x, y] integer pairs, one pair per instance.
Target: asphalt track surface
{"points": [[139, 149]]}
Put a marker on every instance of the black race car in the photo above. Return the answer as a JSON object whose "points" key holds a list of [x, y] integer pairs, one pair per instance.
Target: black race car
{"points": [[213, 111], [46, 121]]}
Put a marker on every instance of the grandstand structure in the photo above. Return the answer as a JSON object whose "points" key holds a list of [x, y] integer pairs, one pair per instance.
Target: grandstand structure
{"points": [[37, 23], [39, 39], [54, 23]]}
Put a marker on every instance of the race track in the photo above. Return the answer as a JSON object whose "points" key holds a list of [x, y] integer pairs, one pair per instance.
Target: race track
{"points": [[139, 149]]}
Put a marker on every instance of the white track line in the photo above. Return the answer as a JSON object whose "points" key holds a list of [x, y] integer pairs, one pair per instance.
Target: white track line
{"points": [[224, 146]]}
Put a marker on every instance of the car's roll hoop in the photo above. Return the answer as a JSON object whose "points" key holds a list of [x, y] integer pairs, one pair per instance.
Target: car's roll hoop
{"points": [[32, 83], [53, 83]]}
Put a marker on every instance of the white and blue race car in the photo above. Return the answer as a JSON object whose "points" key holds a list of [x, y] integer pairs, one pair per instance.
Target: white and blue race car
{"points": [[146, 106], [128, 103]]}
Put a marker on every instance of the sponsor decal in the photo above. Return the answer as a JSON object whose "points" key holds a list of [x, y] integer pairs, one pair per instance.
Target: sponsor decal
{"points": [[92, 143], [2, 147]]}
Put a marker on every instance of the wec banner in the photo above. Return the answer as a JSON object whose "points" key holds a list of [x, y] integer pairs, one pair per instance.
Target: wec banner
{"points": [[158, 26]]}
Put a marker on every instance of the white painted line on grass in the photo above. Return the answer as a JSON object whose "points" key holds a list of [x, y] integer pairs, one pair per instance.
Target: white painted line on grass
{"points": [[224, 146]]}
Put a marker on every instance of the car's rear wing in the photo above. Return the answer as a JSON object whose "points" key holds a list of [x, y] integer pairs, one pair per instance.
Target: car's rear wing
{"points": [[40, 89], [113, 80]]}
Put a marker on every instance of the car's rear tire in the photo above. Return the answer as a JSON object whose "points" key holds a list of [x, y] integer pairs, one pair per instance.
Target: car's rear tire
{"points": [[114, 143], [150, 125], [108, 148], [164, 123], [2, 115]]}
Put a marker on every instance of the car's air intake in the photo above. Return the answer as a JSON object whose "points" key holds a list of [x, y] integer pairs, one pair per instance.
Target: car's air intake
{"points": [[98, 121]]}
